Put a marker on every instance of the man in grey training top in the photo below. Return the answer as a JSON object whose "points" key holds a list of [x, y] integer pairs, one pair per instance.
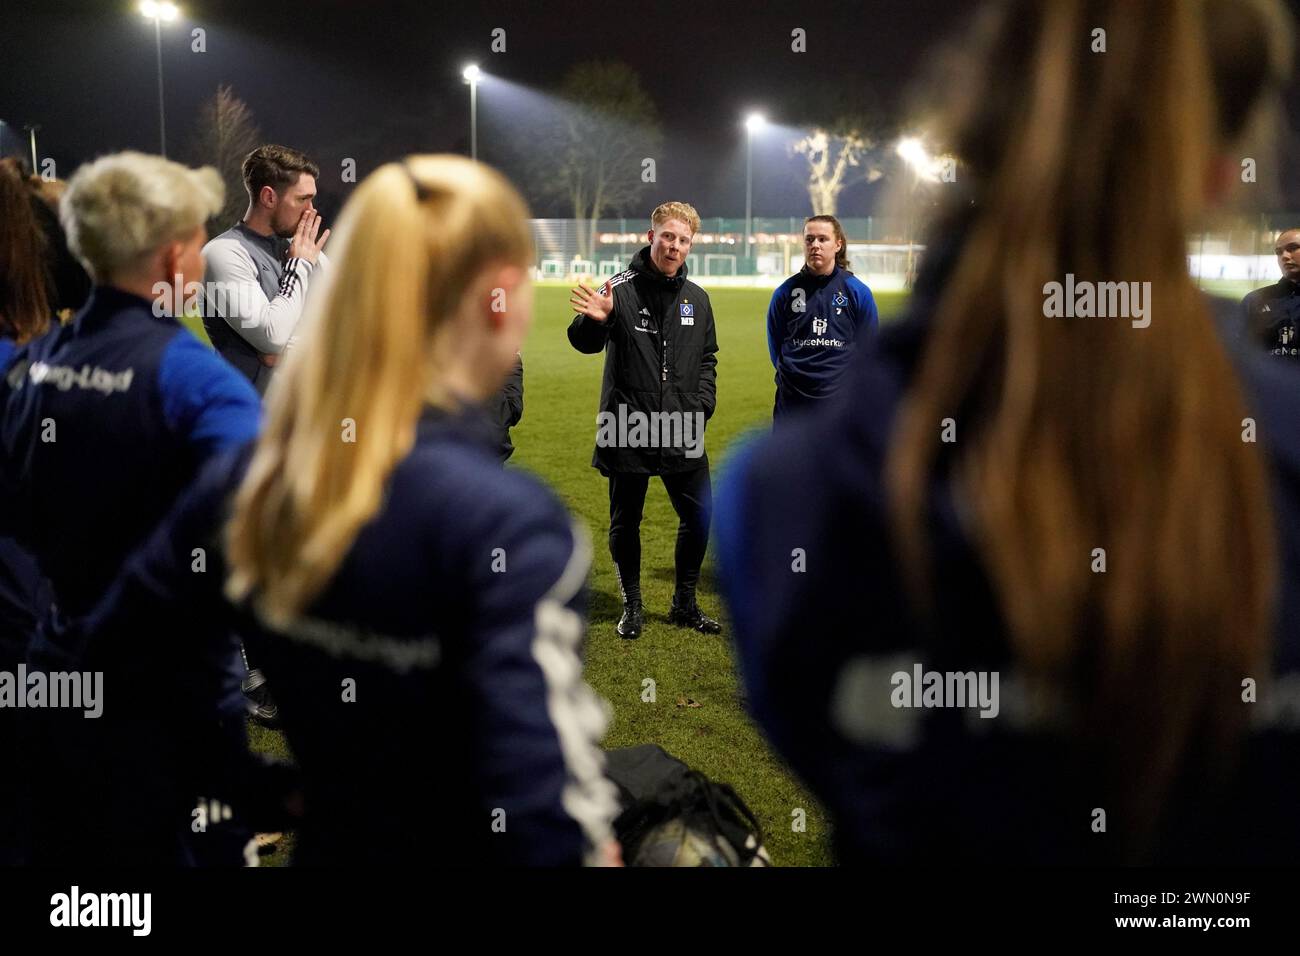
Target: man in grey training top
{"points": [[258, 273], [259, 270]]}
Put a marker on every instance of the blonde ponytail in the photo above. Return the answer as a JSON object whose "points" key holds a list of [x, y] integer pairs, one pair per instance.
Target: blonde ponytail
{"points": [[411, 240]]}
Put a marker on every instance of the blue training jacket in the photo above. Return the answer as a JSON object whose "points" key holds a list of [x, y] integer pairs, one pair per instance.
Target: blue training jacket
{"points": [[433, 694], [822, 623], [23, 590], [105, 420], [813, 325]]}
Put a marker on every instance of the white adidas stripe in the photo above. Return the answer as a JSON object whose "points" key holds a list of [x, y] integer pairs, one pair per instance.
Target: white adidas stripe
{"points": [[579, 715]]}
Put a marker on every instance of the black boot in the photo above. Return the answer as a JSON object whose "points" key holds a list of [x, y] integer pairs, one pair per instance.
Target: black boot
{"points": [[633, 619], [688, 614], [262, 706]]}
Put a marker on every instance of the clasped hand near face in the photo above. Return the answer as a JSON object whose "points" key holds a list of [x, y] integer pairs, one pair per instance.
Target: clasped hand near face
{"points": [[304, 244]]}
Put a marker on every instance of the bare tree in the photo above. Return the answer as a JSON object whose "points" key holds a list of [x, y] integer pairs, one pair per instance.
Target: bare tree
{"points": [[834, 159], [593, 155], [226, 133]]}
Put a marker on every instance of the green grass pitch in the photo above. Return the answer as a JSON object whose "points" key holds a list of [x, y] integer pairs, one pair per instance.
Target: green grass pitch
{"points": [[697, 715]]}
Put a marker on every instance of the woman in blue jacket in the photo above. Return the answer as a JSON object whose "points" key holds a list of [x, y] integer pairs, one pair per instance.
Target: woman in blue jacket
{"points": [[104, 421], [418, 609], [816, 320], [24, 314], [1037, 601]]}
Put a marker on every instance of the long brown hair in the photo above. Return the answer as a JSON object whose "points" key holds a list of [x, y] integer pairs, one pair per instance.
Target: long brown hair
{"points": [[371, 356], [842, 254], [1080, 434], [24, 271]]}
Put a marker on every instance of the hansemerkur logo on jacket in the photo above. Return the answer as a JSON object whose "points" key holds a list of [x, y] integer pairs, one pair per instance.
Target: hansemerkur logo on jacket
{"points": [[1273, 317], [813, 324]]}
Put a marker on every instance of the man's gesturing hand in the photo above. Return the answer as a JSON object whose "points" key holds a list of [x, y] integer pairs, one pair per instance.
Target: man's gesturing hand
{"points": [[304, 244], [596, 305]]}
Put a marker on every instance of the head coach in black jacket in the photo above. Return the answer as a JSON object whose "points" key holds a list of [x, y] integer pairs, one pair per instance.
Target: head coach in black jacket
{"points": [[660, 387]]}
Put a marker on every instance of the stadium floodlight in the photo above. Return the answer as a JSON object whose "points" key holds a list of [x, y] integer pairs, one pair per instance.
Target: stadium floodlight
{"points": [[472, 74], [913, 152], [753, 123], [158, 12], [924, 167]]}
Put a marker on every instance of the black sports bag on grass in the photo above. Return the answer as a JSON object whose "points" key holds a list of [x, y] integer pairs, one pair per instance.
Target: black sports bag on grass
{"points": [[675, 816]]}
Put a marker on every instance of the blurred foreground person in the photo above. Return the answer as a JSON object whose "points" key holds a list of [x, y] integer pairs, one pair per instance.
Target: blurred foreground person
{"points": [[1031, 612], [24, 315], [105, 421], [69, 283], [123, 393], [67, 286], [506, 409], [417, 608]]}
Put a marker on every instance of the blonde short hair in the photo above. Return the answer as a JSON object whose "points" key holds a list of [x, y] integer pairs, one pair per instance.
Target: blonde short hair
{"points": [[122, 207], [676, 210]]}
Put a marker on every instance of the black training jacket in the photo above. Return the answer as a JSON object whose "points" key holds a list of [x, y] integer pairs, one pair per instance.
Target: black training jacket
{"points": [[660, 356]]}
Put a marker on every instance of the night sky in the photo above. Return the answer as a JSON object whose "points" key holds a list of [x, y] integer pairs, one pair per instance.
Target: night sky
{"points": [[374, 81]]}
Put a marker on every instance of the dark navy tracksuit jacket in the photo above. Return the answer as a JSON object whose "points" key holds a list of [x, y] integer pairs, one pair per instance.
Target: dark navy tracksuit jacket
{"points": [[1272, 317], [21, 582], [432, 695], [813, 645], [814, 324], [23, 591], [105, 421], [661, 356]]}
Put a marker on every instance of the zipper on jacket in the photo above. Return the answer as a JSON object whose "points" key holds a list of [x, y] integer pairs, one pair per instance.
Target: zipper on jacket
{"points": [[663, 354]]}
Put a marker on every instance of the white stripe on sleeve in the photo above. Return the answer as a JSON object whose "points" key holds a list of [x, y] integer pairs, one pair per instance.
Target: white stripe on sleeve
{"points": [[579, 715]]}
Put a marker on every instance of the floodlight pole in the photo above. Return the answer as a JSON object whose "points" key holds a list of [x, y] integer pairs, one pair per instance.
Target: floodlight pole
{"points": [[31, 132], [162, 116], [912, 219], [473, 120], [749, 193]]}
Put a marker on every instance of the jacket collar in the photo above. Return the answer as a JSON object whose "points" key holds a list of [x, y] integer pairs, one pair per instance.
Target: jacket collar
{"points": [[468, 421], [815, 279], [273, 243], [106, 301]]}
